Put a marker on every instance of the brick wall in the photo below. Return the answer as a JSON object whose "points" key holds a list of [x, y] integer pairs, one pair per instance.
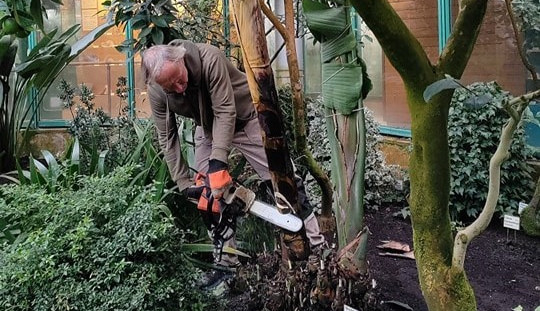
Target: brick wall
{"points": [[494, 57]]}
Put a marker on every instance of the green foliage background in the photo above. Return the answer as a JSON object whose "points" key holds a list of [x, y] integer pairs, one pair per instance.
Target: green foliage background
{"points": [[474, 134], [105, 246]]}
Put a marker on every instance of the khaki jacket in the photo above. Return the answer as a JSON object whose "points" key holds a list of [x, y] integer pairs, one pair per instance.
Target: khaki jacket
{"points": [[217, 98]]}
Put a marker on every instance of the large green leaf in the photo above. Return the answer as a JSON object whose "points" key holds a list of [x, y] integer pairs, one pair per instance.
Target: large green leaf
{"points": [[89, 38], [324, 21], [44, 78], [336, 46], [36, 10], [8, 59], [74, 154], [5, 43], [159, 21], [448, 83], [342, 86], [157, 35], [33, 66], [53, 169], [42, 43], [101, 169]]}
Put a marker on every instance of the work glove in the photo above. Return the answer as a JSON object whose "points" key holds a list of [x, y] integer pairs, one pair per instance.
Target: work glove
{"points": [[195, 191], [219, 179], [200, 192]]}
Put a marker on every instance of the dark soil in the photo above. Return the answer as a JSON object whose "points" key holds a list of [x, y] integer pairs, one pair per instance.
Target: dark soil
{"points": [[503, 269]]}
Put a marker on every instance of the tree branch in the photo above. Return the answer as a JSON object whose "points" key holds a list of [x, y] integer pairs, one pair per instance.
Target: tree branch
{"points": [[398, 43], [274, 20], [519, 43], [465, 236], [298, 103], [458, 50]]}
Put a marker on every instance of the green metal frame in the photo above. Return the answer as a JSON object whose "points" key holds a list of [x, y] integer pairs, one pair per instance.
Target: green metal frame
{"points": [[444, 21], [130, 66], [444, 32], [395, 131], [385, 130], [34, 119]]}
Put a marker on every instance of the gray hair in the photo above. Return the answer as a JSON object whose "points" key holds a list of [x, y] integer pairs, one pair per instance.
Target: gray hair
{"points": [[154, 57]]}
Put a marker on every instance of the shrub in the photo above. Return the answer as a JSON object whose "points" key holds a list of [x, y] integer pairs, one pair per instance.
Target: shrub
{"points": [[474, 134], [95, 129], [105, 246]]}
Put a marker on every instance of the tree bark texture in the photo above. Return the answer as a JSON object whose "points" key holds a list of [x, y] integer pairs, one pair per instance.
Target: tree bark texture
{"points": [[444, 286], [249, 24], [298, 103]]}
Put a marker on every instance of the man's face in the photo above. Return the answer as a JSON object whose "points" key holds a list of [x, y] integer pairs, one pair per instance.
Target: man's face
{"points": [[173, 77]]}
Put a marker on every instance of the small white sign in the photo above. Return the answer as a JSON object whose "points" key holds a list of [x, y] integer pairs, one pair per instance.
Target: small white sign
{"points": [[511, 222], [521, 207], [347, 308]]}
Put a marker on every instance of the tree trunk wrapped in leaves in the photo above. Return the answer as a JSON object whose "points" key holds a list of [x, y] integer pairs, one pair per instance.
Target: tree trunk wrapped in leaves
{"points": [[344, 86], [249, 24]]}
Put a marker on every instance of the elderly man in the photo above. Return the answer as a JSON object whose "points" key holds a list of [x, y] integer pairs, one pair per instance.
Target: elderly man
{"points": [[196, 80]]}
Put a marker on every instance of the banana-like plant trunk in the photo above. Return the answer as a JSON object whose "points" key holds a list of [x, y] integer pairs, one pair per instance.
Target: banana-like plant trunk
{"points": [[250, 28], [345, 85]]}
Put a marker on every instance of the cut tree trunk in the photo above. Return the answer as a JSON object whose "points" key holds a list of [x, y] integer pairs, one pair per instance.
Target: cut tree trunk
{"points": [[288, 34]]}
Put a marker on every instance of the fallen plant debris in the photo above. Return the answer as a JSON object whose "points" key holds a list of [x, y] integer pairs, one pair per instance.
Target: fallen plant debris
{"points": [[396, 249], [318, 283]]}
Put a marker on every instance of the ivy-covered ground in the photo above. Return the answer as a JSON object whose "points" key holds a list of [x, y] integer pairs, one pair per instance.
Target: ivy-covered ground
{"points": [[504, 272]]}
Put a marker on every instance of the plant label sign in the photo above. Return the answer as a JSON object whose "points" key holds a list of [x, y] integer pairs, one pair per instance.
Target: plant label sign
{"points": [[347, 308], [521, 207], [511, 222]]}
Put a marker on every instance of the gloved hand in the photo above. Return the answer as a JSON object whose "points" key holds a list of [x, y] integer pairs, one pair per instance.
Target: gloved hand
{"points": [[200, 192], [218, 177], [193, 192]]}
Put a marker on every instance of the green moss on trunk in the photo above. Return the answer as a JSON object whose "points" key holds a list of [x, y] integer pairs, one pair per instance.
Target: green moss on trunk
{"points": [[442, 287]]}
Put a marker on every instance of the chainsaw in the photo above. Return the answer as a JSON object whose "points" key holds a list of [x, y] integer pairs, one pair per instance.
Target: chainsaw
{"points": [[238, 201]]}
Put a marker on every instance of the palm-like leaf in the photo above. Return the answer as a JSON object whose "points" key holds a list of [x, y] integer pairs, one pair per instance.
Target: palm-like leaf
{"points": [[37, 72]]}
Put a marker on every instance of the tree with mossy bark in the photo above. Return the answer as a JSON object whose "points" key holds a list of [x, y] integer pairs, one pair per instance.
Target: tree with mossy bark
{"points": [[439, 259]]}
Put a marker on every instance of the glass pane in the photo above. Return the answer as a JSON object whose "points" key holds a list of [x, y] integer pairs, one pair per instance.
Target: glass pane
{"points": [[98, 67], [312, 64]]}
